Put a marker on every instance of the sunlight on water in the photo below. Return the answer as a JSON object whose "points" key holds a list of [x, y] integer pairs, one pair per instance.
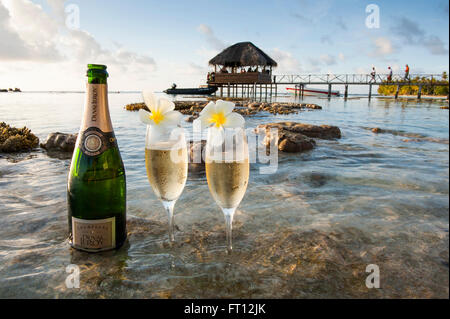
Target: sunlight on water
{"points": [[309, 230]]}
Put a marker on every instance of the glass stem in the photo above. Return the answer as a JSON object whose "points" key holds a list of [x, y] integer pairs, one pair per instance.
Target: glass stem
{"points": [[228, 214], [169, 209]]}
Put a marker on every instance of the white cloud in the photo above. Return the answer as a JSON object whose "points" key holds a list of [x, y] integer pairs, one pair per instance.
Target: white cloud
{"points": [[286, 62], [328, 59], [194, 69], [213, 41], [41, 43], [407, 30], [383, 46], [361, 70], [410, 33], [341, 56], [435, 45], [25, 33]]}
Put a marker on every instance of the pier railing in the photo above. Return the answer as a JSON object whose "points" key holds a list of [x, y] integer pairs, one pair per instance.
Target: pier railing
{"points": [[299, 81], [435, 79]]}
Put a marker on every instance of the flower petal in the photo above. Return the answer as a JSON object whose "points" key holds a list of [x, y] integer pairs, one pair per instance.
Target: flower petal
{"points": [[208, 109], [234, 120], [225, 107], [165, 105], [145, 117], [204, 121], [171, 118], [206, 114], [150, 100]]}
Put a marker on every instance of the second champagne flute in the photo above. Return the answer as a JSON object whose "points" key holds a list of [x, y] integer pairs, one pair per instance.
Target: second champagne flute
{"points": [[227, 172], [226, 160]]}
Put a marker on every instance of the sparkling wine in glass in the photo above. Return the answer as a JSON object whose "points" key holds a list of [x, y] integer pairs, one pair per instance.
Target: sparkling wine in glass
{"points": [[227, 171], [166, 160]]}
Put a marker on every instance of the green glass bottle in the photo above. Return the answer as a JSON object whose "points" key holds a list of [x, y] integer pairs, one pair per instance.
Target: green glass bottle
{"points": [[96, 190]]}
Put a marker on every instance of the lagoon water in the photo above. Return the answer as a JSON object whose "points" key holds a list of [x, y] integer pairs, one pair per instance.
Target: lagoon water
{"points": [[307, 231]]}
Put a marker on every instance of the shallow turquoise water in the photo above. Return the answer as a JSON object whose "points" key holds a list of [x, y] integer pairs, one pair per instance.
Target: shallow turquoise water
{"points": [[308, 230]]}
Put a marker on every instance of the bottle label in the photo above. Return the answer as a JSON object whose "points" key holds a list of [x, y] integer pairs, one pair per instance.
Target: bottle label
{"points": [[94, 235], [96, 111], [94, 141]]}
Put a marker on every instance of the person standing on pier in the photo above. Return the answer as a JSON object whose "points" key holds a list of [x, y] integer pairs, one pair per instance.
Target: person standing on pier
{"points": [[373, 74], [389, 78], [407, 72]]}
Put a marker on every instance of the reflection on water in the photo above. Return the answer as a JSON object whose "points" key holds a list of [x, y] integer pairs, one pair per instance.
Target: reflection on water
{"points": [[309, 230]]}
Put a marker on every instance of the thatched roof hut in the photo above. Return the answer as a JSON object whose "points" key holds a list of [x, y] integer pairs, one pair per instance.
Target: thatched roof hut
{"points": [[243, 54]]}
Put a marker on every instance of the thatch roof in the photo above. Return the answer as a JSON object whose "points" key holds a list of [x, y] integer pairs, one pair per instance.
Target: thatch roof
{"points": [[242, 54]]}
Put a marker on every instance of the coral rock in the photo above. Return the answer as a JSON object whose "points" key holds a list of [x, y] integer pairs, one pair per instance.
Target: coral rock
{"points": [[60, 142], [16, 140], [314, 131]]}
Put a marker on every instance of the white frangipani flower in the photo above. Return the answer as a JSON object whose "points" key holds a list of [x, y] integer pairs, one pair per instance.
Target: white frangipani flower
{"points": [[162, 114], [220, 115]]}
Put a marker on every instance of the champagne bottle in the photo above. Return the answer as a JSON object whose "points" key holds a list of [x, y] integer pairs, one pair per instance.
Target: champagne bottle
{"points": [[96, 190]]}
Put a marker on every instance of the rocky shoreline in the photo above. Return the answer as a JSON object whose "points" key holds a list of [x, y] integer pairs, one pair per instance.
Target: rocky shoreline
{"points": [[294, 137], [245, 108], [291, 137]]}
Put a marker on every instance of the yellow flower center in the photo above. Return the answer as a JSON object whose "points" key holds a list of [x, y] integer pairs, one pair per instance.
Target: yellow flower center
{"points": [[218, 119], [157, 117]]}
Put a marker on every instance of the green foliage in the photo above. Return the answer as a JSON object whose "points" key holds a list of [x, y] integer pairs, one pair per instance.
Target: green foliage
{"points": [[427, 89]]}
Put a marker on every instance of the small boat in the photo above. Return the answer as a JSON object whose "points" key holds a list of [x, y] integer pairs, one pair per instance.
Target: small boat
{"points": [[313, 91], [193, 91]]}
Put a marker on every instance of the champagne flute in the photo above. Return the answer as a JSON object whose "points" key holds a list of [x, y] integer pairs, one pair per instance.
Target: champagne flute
{"points": [[166, 160], [227, 171]]}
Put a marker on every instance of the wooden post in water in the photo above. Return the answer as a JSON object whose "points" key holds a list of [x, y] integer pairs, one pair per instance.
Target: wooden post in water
{"points": [[419, 94], [398, 90], [370, 91], [329, 90], [221, 91], [346, 91]]}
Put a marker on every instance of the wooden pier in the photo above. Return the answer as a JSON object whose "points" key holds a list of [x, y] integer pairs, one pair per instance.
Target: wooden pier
{"points": [[270, 87], [399, 80]]}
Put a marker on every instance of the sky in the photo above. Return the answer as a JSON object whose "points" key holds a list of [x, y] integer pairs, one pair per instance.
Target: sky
{"points": [[46, 44]]}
